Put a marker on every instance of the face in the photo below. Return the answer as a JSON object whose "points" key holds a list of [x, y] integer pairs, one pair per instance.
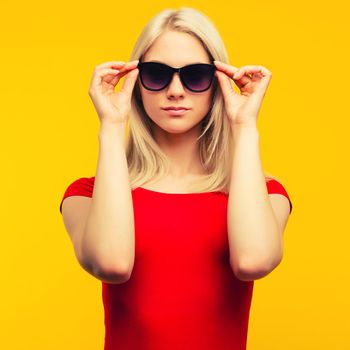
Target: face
{"points": [[176, 50]]}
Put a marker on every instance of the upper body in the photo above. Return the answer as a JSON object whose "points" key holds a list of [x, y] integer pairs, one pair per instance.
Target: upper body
{"points": [[182, 293]]}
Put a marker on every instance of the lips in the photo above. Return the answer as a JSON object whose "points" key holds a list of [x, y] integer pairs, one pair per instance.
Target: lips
{"points": [[175, 108], [176, 112]]}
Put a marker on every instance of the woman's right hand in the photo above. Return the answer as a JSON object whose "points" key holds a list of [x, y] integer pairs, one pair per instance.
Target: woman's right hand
{"points": [[111, 106]]}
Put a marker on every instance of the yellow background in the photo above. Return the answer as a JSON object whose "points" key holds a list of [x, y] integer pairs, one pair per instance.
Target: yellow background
{"points": [[49, 138]]}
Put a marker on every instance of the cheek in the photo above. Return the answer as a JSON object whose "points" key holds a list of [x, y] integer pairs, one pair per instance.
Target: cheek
{"points": [[202, 103], [150, 103], [147, 98]]}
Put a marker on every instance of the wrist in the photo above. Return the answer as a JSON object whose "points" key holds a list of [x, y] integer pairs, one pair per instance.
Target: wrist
{"points": [[245, 129], [115, 131]]}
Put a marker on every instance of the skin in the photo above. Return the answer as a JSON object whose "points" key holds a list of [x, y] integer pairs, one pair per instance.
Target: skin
{"points": [[176, 136], [256, 246]]}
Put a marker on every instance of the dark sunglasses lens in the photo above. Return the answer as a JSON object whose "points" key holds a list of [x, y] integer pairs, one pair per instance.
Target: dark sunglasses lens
{"points": [[154, 76], [198, 77]]}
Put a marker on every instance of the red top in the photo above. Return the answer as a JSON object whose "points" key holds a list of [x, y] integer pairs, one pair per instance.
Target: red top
{"points": [[182, 293]]}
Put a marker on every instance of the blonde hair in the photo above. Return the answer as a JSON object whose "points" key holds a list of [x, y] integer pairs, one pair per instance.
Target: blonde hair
{"points": [[146, 161]]}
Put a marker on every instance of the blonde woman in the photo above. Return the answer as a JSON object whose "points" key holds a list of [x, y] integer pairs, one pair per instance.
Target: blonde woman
{"points": [[180, 218]]}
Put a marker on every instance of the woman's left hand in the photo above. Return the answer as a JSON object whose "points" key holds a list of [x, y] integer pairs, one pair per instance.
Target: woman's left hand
{"points": [[243, 107]]}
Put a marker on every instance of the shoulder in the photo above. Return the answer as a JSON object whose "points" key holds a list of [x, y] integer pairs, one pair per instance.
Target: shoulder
{"points": [[277, 193], [82, 186]]}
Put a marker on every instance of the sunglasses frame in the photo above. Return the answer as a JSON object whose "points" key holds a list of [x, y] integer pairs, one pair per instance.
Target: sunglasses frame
{"points": [[177, 70]]}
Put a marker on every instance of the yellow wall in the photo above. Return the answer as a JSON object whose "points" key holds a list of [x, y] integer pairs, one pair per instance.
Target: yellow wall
{"points": [[50, 138]]}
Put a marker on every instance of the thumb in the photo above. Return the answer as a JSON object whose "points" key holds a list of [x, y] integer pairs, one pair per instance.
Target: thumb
{"points": [[225, 84], [129, 81]]}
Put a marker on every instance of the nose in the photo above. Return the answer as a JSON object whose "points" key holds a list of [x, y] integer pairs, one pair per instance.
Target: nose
{"points": [[175, 87]]}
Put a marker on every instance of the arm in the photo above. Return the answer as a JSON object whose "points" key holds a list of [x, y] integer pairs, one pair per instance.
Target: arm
{"points": [[108, 238], [255, 240]]}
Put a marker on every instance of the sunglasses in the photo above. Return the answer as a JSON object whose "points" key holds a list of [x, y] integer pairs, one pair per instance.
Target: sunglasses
{"points": [[156, 76]]}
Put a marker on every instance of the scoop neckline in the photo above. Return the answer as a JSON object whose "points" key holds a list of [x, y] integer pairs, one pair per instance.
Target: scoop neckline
{"points": [[178, 194]]}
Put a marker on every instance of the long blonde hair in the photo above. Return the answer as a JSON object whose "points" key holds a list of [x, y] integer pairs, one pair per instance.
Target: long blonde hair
{"points": [[146, 161]]}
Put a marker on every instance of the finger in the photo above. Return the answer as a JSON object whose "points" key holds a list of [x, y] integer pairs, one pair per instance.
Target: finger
{"points": [[111, 78], [133, 64], [116, 64], [258, 73], [128, 66], [122, 72], [226, 68], [230, 71], [129, 81], [225, 84], [241, 79], [250, 69], [257, 76], [107, 73], [110, 64], [120, 75]]}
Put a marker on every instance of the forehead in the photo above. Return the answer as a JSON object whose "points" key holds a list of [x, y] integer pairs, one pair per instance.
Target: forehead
{"points": [[177, 49]]}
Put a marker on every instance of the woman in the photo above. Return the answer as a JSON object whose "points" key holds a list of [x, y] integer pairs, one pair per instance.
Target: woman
{"points": [[180, 218]]}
